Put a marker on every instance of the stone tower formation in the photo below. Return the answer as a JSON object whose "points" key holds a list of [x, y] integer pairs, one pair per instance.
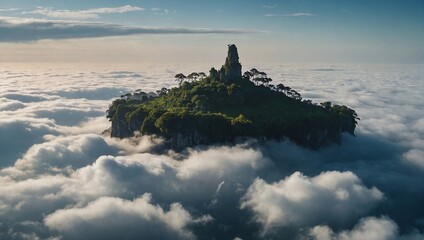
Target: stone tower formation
{"points": [[232, 67]]}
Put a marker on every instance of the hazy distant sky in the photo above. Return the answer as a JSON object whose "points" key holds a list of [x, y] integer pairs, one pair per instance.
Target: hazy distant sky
{"points": [[148, 31]]}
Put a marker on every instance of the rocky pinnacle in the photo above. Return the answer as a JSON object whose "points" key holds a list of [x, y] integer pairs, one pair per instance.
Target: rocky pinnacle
{"points": [[232, 65]]}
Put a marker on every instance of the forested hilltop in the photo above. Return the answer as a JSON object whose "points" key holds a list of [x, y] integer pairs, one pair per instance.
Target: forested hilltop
{"points": [[226, 105]]}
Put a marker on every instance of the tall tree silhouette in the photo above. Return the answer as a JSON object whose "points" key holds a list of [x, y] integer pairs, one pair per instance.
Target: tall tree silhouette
{"points": [[180, 78]]}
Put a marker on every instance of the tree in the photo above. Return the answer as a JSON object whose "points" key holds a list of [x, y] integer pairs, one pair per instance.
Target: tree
{"points": [[286, 90], [193, 76], [326, 105], [260, 77], [162, 91], [247, 75], [254, 71], [309, 102], [280, 87], [128, 95], [266, 80], [180, 78], [202, 75], [293, 94], [257, 77]]}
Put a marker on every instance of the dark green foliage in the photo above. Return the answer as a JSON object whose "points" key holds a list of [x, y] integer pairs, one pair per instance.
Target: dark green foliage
{"points": [[257, 77], [210, 110]]}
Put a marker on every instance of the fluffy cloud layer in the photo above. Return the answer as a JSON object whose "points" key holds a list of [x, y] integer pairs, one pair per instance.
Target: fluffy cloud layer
{"points": [[20, 133], [367, 228], [382, 228], [61, 154], [331, 197], [61, 178], [116, 218], [98, 195]]}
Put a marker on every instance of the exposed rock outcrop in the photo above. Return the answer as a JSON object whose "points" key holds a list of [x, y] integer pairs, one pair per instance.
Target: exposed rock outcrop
{"points": [[232, 67], [213, 73], [179, 141], [121, 127]]}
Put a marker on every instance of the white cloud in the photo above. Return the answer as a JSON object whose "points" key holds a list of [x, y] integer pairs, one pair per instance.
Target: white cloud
{"points": [[19, 133], [270, 6], [368, 228], [113, 218], [82, 14], [161, 11], [8, 9], [333, 197], [118, 177], [134, 174], [25, 30], [299, 14], [41, 177], [415, 157], [10, 104], [419, 125], [61, 155], [64, 162], [98, 93], [382, 228], [226, 160], [28, 200], [25, 98]]}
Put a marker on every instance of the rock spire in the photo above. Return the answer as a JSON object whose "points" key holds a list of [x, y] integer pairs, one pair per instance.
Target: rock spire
{"points": [[232, 65]]}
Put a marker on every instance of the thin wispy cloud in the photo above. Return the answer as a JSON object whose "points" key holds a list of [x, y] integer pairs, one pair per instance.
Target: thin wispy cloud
{"points": [[300, 14], [26, 30], [82, 14], [161, 11], [270, 6], [8, 9]]}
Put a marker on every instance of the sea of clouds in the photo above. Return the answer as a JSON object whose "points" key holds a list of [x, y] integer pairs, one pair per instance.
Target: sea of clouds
{"points": [[60, 178]]}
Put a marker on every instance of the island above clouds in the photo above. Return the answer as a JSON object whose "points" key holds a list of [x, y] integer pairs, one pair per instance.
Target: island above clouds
{"points": [[225, 106]]}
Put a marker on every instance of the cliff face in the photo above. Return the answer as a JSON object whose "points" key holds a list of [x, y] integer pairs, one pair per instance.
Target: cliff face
{"points": [[311, 136], [121, 127], [180, 141]]}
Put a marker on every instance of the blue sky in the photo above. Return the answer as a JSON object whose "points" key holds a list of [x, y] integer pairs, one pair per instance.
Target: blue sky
{"points": [[273, 31]]}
